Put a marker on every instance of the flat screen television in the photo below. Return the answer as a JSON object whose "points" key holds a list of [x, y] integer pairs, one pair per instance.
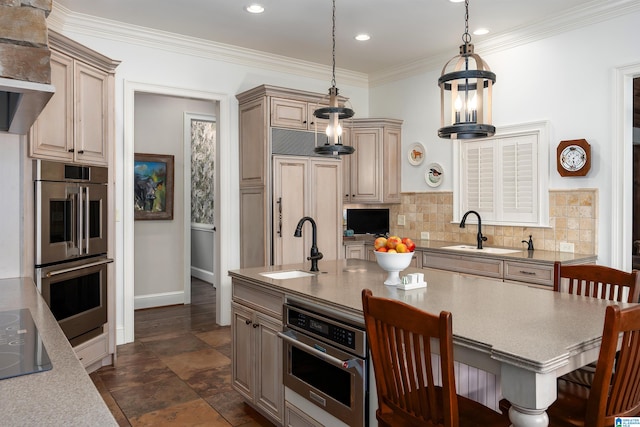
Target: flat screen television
{"points": [[368, 221]]}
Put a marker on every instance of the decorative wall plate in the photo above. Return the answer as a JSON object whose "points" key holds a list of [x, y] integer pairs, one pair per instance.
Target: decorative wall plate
{"points": [[416, 153], [434, 175]]}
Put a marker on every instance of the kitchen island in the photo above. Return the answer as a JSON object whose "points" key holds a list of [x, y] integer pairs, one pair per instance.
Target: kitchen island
{"points": [[64, 395], [525, 336]]}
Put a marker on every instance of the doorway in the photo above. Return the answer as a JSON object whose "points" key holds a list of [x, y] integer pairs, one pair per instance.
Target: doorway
{"points": [[125, 286]]}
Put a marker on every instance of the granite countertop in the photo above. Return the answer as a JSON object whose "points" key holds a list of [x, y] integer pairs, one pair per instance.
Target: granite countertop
{"points": [[520, 254], [537, 328], [65, 395]]}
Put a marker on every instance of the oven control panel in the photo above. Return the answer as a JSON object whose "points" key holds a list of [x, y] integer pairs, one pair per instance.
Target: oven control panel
{"points": [[331, 330]]}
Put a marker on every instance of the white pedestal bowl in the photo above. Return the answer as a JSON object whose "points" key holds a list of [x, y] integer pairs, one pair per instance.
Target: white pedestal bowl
{"points": [[393, 263]]}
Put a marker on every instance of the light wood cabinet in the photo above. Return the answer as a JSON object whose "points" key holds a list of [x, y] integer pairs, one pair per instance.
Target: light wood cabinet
{"points": [[355, 251], [373, 172], [77, 123], [257, 349], [488, 267], [297, 114], [541, 274], [306, 187], [262, 111]]}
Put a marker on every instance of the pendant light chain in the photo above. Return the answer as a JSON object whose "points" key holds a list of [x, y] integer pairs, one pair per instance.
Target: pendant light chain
{"points": [[333, 53], [466, 37]]}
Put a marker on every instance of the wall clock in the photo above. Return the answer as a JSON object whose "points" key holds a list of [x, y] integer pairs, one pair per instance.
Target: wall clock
{"points": [[574, 157]]}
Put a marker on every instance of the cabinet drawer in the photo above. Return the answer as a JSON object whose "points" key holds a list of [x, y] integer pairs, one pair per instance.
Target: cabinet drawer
{"points": [[464, 264], [93, 350], [529, 273], [262, 300], [294, 417]]}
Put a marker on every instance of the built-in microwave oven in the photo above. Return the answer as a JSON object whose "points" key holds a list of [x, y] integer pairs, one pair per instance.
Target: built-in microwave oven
{"points": [[70, 212]]}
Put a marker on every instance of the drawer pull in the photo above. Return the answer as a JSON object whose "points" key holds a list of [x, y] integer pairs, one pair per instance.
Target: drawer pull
{"points": [[531, 273]]}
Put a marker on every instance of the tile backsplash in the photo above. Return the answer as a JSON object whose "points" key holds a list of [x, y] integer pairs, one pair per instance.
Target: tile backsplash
{"points": [[573, 218]]}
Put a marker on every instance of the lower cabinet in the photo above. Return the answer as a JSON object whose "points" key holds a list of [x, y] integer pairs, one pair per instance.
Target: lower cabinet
{"points": [[488, 267], [257, 353], [354, 251], [294, 417], [94, 353]]}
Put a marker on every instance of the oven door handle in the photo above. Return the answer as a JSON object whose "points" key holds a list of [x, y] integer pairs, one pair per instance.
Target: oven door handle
{"points": [[290, 337], [79, 267]]}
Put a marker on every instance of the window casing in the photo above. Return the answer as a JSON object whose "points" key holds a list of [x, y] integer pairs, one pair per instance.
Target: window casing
{"points": [[504, 178]]}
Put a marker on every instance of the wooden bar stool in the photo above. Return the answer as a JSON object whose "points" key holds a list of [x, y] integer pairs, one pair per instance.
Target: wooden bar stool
{"points": [[400, 339]]}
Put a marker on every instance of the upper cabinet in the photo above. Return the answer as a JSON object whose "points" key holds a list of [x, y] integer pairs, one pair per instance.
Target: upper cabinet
{"points": [[77, 123], [373, 171], [295, 114]]}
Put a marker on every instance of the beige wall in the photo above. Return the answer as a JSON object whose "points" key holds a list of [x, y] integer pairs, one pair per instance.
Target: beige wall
{"points": [[573, 217]]}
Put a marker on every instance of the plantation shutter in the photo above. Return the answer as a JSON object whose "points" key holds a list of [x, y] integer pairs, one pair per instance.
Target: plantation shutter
{"points": [[519, 178], [480, 178]]}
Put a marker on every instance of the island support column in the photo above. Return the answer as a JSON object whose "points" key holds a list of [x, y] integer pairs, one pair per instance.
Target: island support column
{"points": [[529, 393]]}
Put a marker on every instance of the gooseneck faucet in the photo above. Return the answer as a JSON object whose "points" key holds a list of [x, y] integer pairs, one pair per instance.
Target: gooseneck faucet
{"points": [[481, 238], [315, 254]]}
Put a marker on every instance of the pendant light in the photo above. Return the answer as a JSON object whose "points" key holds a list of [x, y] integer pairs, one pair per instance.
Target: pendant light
{"points": [[465, 93], [333, 113]]}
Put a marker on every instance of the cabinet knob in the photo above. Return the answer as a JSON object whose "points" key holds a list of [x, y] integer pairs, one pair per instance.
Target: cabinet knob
{"points": [[247, 322], [80, 151], [255, 325], [71, 150]]}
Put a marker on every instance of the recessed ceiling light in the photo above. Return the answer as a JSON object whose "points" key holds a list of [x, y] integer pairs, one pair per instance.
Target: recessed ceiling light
{"points": [[254, 8], [456, 1], [481, 31], [362, 37]]}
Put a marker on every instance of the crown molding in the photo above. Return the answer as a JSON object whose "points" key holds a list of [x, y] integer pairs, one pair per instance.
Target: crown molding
{"points": [[64, 20], [576, 18]]}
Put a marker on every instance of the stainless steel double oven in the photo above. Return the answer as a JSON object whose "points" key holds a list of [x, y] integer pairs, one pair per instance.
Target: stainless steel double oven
{"points": [[71, 245], [325, 363]]}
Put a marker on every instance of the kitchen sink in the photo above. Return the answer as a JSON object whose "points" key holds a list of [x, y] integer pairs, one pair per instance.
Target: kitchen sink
{"points": [[469, 248], [291, 274]]}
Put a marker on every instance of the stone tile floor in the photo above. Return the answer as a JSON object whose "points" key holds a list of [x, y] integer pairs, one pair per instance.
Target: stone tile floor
{"points": [[177, 372]]}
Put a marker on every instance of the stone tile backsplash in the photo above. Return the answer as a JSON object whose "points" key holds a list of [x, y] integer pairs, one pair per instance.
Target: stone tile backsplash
{"points": [[573, 218]]}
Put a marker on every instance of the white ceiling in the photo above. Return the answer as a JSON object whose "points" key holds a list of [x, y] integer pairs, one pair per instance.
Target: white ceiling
{"points": [[402, 31]]}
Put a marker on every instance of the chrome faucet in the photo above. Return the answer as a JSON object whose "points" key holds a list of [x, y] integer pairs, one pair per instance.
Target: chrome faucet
{"points": [[481, 238], [315, 254]]}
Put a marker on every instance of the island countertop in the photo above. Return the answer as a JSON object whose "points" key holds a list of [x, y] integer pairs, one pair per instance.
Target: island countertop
{"points": [[528, 327], [64, 395]]}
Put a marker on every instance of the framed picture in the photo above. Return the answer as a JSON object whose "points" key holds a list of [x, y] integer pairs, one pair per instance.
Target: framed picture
{"points": [[153, 186]]}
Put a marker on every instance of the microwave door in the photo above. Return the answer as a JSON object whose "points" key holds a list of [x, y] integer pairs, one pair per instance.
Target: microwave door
{"points": [[57, 222], [94, 219]]}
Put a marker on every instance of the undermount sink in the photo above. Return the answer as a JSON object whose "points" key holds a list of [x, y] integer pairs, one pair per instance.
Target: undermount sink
{"points": [[291, 274], [469, 248]]}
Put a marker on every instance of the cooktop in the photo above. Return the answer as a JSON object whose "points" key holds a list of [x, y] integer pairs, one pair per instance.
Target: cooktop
{"points": [[21, 349]]}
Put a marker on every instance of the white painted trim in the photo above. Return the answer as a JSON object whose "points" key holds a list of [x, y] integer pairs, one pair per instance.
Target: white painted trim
{"points": [[207, 276], [223, 199], [61, 17], [622, 167], [202, 227], [159, 300]]}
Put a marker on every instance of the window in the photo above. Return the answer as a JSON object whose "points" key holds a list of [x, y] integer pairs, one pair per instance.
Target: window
{"points": [[504, 178]]}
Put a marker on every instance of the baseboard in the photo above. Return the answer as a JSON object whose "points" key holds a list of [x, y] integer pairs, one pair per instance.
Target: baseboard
{"points": [[204, 275], [158, 300]]}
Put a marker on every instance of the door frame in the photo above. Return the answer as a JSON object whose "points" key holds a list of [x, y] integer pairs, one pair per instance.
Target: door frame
{"points": [[622, 172], [223, 199], [187, 118]]}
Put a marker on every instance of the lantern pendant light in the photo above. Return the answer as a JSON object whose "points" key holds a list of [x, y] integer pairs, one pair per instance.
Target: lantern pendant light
{"points": [[333, 113], [466, 84]]}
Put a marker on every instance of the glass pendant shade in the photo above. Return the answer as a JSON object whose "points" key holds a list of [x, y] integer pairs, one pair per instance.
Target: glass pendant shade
{"points": [[466, 85]]}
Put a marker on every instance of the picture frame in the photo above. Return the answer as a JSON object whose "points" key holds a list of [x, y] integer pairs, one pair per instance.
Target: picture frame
{"points": [[153, 186]]}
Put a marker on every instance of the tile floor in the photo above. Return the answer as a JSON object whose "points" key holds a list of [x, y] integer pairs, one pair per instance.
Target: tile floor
{"points": [[177, 371]]}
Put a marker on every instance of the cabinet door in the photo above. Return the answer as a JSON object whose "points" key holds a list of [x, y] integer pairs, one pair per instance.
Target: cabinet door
{"points": [[91, 114], [290, 204], [269, 391], [391, 152], [346, 168], [52, 134], [354, 252], [289, 113], [325, 197], [242, 350], [366, 170]]}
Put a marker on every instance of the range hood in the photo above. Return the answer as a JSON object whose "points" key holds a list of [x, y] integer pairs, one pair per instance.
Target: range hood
{"points": [[21, 102]]}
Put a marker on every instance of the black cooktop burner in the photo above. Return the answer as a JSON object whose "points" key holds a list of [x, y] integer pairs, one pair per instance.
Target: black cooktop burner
{"points": [[21, 349]]}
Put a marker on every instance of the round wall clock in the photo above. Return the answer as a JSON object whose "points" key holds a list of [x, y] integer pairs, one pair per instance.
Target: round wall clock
{"points": [[574, 157]]}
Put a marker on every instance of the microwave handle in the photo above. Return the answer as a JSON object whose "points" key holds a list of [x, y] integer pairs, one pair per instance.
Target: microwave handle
{"points": [[86, 222], [289, 336]]}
